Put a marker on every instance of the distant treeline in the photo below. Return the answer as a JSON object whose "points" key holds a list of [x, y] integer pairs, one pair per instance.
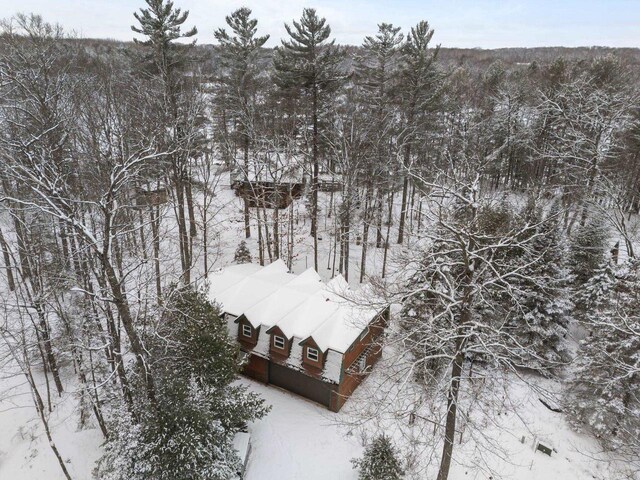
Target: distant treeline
{"points": [[512, 58]]}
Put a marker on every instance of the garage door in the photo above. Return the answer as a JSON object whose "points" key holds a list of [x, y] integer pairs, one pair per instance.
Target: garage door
{"points": [[300, 383]]}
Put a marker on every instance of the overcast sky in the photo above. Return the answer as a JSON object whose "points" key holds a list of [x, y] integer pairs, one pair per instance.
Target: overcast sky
{"points": [[458, 23]]}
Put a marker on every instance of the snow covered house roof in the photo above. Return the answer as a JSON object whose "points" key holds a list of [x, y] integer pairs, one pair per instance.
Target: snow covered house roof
{"points": [[301, 306]]}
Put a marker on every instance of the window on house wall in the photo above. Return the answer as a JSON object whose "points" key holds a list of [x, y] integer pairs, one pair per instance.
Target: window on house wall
{"points": [[247, 330], [312, 354], [278, 342]]}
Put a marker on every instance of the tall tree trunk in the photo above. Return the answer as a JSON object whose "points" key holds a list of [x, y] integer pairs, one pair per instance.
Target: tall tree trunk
{"points": [[45, 367], [46, 343], [247, 218], [452, 411], [205, 240], [314, 180], [267, 235], [183, 233], [8, 266], [124, 312], [260, 238], [379, 206], [37, 400], [276, 233], [143, 237], [21, 238], [63, 239], [388, 236], [365, 237], [290, 239], [405, 189], [411, 210], [456, 369], [155, 232], [344, 239], [403, 210], [193, 226]]}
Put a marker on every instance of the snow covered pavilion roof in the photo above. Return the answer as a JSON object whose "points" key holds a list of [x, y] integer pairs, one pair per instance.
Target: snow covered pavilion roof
{"points": [[301, 306]]}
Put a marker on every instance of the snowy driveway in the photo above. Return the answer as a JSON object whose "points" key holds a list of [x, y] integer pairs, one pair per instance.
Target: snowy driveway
{"points": [[298, 440]]}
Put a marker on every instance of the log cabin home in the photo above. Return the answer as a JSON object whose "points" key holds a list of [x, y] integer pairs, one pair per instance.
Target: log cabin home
{"points": [[271, 180], [268, 193], [151, 196], [318, 340]]}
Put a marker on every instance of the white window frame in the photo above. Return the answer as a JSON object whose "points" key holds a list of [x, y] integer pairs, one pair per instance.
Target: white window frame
{"points": [[278, 339], [310, 355], [247, 328]]}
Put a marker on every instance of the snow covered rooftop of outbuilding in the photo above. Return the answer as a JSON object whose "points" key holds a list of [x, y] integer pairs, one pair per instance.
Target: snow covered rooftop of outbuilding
{"points": [[301, 306]]}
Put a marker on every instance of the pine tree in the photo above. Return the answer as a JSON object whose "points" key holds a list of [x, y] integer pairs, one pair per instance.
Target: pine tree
{"points": [[380, 461], [539, 324], [188, 434], [376, 75], [587, 250], [161, 23], [308, 62], [376, 66], [239, 51], [242, 255], [420, 84], [595, 294], [603, 394], [239, 55]]}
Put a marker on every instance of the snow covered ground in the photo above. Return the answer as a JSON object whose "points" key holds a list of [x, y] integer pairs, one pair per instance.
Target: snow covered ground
{"points": [[298, 439], [301, 440], [24, 450]]}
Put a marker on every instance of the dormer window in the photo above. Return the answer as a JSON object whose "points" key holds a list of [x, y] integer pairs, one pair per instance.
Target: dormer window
{"points": [[312, 354], [247, 331], [278, 342]]}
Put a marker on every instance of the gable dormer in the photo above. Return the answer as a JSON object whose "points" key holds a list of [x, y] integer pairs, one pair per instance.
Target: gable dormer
{"points": [[312, 356], [247, 333], [279, 344]]}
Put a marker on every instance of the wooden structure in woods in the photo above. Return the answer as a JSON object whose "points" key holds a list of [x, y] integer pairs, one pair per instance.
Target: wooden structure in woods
{"points": [[329, 182], [272, 182], [267, 194], [314, 339], [152, 196]]}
